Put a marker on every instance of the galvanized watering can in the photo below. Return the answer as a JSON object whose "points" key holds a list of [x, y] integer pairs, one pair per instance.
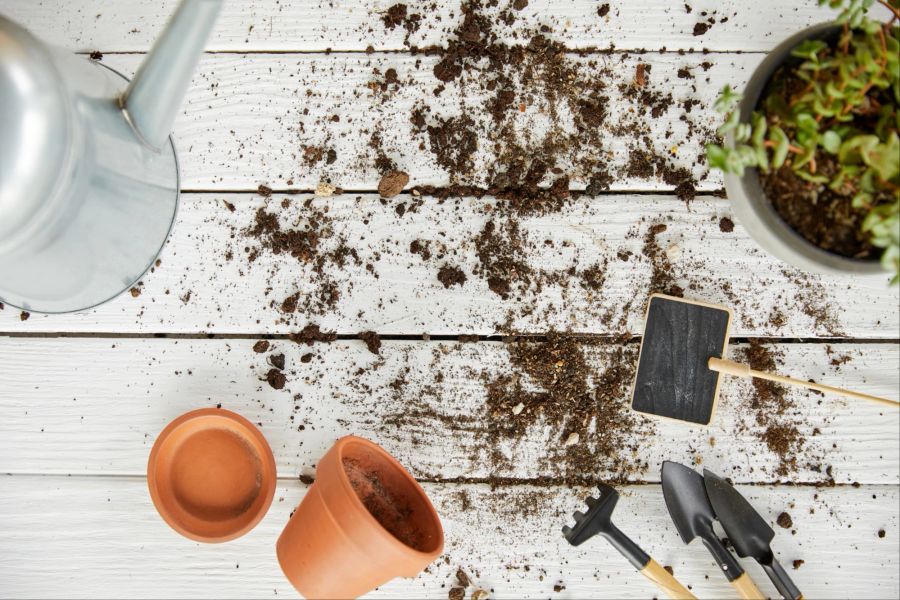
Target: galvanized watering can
{"points": [[88, 172]]}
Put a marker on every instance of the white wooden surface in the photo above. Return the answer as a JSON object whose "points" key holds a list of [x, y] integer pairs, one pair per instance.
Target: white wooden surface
{"points": [[83, 396], [91, 537], [402, 295]]}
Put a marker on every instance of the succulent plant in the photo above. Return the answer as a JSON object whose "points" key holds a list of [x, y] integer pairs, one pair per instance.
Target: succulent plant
{"points": [[846, 110]]}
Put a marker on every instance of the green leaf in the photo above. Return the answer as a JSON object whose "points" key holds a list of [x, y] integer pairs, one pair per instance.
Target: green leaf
{"points": [[727, 100], [884, 158], [809, 49], [781, 146], [831, 141]]}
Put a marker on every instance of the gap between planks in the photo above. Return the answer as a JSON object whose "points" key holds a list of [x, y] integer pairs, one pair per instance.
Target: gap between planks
{"points": [[611, 339], [498, 482]]}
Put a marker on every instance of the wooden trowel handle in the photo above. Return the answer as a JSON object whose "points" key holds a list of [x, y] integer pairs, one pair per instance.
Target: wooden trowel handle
{"points": [[729, 367], [664, 581], [746, 588]]}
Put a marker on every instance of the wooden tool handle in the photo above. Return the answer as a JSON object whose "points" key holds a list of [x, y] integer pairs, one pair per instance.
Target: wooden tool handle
{"points": [[746, 588], [729, 367], [664, 581]]}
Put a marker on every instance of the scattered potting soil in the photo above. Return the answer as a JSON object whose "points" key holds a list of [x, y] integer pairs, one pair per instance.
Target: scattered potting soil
{"points": [[390, 509], [798, 562], [777, 421], [591, 425], [726, 225], [261, 346]]}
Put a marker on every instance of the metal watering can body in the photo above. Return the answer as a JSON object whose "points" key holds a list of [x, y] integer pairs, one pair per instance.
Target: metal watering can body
{"points": [[88, 173]]}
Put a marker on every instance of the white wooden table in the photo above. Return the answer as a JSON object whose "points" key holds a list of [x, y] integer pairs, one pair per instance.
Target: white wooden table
{"points": [[83, 396]]}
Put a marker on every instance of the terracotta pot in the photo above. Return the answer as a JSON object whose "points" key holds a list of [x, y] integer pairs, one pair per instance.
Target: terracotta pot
{"points": [[748, 200], [211, 475], [363, 522]]}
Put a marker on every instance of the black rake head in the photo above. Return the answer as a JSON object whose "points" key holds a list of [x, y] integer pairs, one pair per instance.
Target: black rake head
{"points": [[598, 518]]}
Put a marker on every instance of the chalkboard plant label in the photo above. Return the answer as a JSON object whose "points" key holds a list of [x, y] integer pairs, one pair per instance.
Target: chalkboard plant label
{"points": [[672, 378], [812, 151]]}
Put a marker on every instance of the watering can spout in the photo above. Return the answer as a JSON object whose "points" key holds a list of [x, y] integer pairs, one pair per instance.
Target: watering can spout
{"points": [[153, 97]]}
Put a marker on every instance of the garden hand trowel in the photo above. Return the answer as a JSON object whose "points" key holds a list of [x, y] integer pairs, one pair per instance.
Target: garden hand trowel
{"points": [[598, 520], [693, 516], [749, 533]]}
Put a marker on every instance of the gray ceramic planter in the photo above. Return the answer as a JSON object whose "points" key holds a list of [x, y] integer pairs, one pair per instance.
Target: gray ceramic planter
{"points": [[749, 202]]}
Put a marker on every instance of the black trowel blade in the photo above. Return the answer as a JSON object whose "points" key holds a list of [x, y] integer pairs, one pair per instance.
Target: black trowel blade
{"points": [[748, 531], [686, 500], [673, 378]]}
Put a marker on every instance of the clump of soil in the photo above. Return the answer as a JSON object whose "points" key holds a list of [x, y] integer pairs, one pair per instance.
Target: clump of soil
{"points": [[785, 521], [554, 385], [372, 341], [390, 509], [311, 334], [276, 379], [726, 225], [392, 183], [450, 275]]}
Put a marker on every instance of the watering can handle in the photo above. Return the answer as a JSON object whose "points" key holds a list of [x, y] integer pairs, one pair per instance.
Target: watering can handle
{"points": [[153, 98]]}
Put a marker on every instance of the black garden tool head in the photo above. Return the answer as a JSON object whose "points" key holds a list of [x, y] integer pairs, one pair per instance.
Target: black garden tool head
{"points": [[686, 499], [748, 531], [598, 518], [693, 515]]}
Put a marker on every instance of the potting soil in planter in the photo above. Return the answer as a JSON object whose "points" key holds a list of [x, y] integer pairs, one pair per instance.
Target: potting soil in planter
{"points": [[389, 508]]}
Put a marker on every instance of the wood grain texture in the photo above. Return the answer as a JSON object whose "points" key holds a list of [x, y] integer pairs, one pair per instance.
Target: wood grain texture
{"points": [[314, 25], [247, 119], [101, 538], [196, 289], [95, 406]]}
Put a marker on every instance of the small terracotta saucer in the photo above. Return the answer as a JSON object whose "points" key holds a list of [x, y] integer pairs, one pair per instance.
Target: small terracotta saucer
{"points": [[211, 475]]}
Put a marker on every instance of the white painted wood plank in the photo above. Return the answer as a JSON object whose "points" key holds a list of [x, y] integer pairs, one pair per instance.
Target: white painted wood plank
{"points": [[305, 25], [95, 406], [101, 538], [248, 118], [402, 295]]}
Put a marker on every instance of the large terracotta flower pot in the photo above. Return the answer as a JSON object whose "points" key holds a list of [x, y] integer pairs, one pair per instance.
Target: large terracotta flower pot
{"points": [[211, 475], [363, 522], [745, 192]]}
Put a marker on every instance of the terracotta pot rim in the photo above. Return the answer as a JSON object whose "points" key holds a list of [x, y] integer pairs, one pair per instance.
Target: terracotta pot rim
{"points": [[438, 546], [249, 431]]}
